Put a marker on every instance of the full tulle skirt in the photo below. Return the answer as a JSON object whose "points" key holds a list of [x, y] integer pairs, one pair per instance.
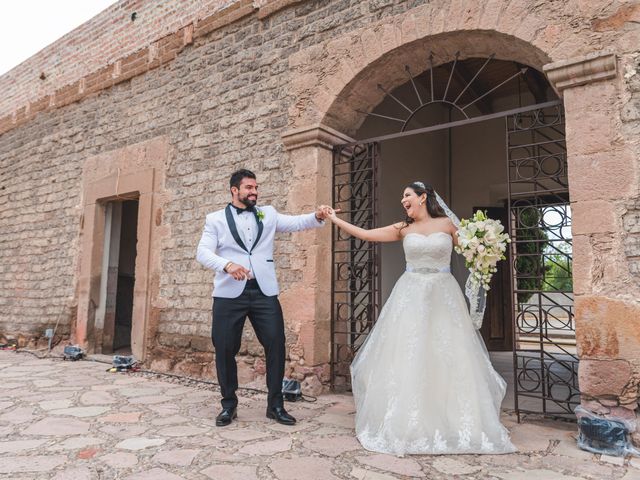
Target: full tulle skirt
{"points": [[423, 382]]}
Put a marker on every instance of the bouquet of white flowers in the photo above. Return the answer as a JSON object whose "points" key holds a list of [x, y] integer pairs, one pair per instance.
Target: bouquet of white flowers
{"points": [[482, 243]]}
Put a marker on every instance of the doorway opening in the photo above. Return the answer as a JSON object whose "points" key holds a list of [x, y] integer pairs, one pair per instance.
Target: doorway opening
{"points": [[117, 283], [486, 134]]}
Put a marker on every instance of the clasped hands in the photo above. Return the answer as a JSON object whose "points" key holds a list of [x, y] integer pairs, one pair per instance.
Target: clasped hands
{"points": [[324, 212]]}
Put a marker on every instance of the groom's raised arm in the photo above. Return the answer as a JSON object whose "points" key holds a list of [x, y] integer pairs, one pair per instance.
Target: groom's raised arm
{"points": [[295, 223], [206, 253]]}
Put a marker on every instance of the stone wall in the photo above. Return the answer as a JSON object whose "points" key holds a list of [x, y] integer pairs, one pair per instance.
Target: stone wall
{"points": [[224, 90], [609, 310], [222, 103], [123, 28]]}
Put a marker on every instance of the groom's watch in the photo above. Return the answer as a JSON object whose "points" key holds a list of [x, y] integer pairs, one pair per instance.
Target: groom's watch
{"points": [[227, 266]]}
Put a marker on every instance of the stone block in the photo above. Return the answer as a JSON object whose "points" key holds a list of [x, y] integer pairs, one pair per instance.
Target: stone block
{"points": [[311, 385], [632, 245], [364, 474], [593, 216], [450, 466], [590, 120], [302, 468], [154, 474], [387, 463], [603, 377], [260, 366], [181, 431], [611, 174], [607, 328], [74, 473], [631, 110], [161, 364], [582, 264], [55, 426], [626, 414], [19, 465], [408, 29], [188, 367], [246, 373], [19, 446], [231, 472], [595, 406], [268, 447], [202, 344], [121, 417], [333, 446], [140, 443], [609, 402], [631, 218]]}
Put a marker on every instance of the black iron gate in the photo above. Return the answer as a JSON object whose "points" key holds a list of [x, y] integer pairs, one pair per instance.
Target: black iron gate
{"points": [[545, 359], [356, 291]]}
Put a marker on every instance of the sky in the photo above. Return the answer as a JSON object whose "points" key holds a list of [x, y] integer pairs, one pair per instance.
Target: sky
{"points": [[27, 26]]}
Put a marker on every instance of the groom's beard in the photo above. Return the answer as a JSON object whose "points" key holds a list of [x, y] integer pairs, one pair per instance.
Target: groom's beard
{"points": [[249, 201]]}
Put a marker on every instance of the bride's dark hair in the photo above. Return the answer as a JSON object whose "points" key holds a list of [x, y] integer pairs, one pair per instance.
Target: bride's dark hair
{"points": [[433, 207]]}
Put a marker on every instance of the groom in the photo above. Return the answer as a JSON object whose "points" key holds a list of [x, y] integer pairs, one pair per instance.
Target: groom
{"points": [[237, 243]]}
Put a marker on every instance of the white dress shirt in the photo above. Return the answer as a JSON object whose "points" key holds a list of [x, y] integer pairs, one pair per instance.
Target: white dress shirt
{"points": [[247, 229]]}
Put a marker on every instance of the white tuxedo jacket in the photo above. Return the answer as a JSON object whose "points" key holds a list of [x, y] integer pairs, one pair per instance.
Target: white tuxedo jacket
{"points": [[221, 244]]}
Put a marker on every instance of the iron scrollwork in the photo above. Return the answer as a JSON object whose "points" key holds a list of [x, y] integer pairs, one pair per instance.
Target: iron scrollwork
{"points": [[545, 358], [356, 264]]}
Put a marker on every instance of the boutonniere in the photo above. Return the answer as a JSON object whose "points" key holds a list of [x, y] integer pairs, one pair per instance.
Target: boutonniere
{"points": [[259, 215]]}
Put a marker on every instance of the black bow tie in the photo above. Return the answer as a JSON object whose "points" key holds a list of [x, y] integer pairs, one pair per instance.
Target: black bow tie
{"points": [[247, 209]]}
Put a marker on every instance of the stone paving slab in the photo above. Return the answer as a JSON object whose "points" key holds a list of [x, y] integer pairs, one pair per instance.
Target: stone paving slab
{"points": [[74, 421]]}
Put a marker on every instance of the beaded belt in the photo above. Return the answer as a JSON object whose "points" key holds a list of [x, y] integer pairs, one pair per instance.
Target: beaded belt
{"points": [[428, 269]]}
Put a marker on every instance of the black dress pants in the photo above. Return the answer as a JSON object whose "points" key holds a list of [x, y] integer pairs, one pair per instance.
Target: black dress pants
{"points": [[265, 315]]}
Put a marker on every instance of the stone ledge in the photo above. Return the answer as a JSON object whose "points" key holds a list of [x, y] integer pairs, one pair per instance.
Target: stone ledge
{"points": [[313, 136], [269, 7], [158, 52], [581, 70]]}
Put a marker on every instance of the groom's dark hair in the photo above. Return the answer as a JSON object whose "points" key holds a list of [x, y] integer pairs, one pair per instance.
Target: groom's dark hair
{"points": [[238, 175]]}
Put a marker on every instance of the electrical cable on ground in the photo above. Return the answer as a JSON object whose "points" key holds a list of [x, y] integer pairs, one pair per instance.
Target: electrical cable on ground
{"points": [[306, 398]]}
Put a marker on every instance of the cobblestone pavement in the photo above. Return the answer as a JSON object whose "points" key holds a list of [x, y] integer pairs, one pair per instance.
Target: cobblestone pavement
{"points": [[73, 420]]}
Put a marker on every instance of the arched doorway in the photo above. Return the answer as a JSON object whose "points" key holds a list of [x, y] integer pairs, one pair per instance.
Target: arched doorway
{"points": [[487, 134]]}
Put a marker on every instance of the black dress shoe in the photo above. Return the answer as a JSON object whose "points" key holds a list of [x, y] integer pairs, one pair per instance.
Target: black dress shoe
{"points": [[280, 415], [225, 416]]}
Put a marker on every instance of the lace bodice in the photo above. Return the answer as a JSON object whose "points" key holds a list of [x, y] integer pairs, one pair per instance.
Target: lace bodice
{"points": [[427, 251]]}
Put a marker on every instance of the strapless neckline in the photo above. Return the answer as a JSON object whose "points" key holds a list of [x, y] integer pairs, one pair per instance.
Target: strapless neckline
{"points": [[425, 235]]}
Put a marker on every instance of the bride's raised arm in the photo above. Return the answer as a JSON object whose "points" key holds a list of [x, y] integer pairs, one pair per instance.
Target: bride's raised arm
{"points": [[390, 233]]}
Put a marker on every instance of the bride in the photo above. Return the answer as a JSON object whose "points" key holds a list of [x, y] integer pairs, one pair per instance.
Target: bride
{"points": [[423, 381]]}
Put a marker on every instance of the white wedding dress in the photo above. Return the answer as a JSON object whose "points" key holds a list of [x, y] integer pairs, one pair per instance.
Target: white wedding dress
{"points": [[423, 381]]}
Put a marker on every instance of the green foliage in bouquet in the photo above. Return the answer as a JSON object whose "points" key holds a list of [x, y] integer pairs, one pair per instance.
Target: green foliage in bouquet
{"points": [[532, 241], [483, 243]]}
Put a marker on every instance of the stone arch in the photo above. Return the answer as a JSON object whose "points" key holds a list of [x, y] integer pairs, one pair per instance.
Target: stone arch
{"points": [[360, 93], [347, 67], [331, 81]]}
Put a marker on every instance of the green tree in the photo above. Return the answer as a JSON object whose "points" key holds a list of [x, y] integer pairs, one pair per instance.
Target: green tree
{"points": [[531, 243], [558, 274]]}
